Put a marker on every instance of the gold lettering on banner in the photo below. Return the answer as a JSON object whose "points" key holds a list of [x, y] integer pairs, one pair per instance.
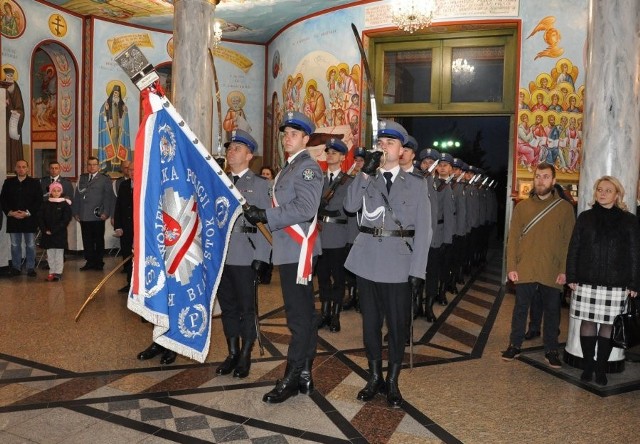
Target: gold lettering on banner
{"points": [[117, 44], [233, 57]]}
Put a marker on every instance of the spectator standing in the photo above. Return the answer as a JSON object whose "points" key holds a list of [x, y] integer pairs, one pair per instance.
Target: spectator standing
{"points": [[21, 199], [55, 215], [537, 246], [602, 269]]}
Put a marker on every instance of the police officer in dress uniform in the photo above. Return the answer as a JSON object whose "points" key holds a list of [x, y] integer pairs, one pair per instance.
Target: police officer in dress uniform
{"points": [[247, 257], [459, 237], [297, 192], [352, 232], [444, 186], [473, 215], [389, 256], [92, 204], [427, 159], [333, 235]]}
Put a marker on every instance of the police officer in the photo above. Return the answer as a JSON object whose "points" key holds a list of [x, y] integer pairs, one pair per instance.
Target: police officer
{"points": [[334, 235], [473, 214], [447, 223], [459, 237], [247, 256], [297, 191], [389, 255], [428, 159], [359, 155]]}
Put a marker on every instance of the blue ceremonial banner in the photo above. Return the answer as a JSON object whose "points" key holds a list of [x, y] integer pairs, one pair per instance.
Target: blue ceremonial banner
{"points": [[184, 212]]}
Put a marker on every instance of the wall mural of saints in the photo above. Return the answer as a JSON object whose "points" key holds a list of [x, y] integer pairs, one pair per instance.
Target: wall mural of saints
{"points": [[114, 140], [550, 120], [12, 20], [235, 117], [328, 92]]}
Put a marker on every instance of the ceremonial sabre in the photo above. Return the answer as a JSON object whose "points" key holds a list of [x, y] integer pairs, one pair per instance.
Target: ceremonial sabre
{"points": [[372, 94], [101, 284]]}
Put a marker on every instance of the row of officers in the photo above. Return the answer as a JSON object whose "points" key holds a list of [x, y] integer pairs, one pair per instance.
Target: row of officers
{"points": [[381, 230]]}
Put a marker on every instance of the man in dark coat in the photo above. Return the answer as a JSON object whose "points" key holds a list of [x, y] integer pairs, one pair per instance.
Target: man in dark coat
{"points": [[123, 223], [21, 199]]}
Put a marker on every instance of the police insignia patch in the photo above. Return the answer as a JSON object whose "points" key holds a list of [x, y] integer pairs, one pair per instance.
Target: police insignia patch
{"points": [[308, 174]]}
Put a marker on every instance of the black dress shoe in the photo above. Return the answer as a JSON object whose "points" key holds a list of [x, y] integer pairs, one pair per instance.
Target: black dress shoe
{"points": [[124, 289], [86, 267], [151, 352], [285, 388], [168, 357]]}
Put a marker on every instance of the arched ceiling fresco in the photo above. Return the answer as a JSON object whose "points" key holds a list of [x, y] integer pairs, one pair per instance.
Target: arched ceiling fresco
{"points": [[254, 21]]}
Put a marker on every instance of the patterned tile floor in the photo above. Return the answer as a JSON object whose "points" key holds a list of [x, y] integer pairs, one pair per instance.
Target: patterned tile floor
{"points": [[77, 383]]}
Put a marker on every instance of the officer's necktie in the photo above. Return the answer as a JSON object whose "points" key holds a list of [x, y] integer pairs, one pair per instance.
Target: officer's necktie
{"points": [[90, 177], [330, 178], [286, 164], [388, 176], [235, 179]]}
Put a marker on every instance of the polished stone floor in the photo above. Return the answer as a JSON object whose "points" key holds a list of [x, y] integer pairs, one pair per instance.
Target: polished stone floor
{"points": [[68, 382]]}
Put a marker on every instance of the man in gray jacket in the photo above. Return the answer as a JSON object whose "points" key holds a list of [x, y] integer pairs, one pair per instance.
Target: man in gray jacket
{"points": [[93, 202], [247, 257], [297, 191], [389, 256]]}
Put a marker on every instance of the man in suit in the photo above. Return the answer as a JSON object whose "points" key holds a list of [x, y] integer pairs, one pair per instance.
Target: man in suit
{"points": [[123, 224], [92, 205], [333, 236], [297, 191], [21, 200], [54, 176], [247, 257], [389, 256]]}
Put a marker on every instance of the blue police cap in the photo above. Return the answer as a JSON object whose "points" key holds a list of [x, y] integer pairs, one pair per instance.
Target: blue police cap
{"points": [[360, 152], [337, 145], [411, 143], [429, 153], [393, 130], [446, 157], [457, 163], [299, 121], [241, 136], [472, 169], [464, 167]]}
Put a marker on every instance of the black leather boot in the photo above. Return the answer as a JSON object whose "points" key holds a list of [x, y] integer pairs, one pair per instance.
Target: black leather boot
{"points": [[227, 366], [417, 306], [244, 361], [442, 295], [151, 352], [334, 323], [604, 350], [394, 398], [588, 346], [428, 310], [325, 315], [306, 379], [375, 384], [286, 387], [351, 301]]}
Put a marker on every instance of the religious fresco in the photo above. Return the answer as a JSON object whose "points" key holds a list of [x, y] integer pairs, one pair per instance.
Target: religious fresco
{"points": [[12, 19], [551, 94], [319, 75], [241, 19]]}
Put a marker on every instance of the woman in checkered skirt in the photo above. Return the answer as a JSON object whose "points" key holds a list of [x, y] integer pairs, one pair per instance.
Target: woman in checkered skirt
{"points": [[602, 269]]}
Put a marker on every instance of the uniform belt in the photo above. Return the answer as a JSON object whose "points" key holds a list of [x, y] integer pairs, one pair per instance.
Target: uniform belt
{"points": [[379, 232], [333, 220], [441, 221], [245, 230]]}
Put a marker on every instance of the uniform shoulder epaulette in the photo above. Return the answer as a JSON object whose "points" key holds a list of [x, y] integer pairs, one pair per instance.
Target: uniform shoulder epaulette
{"points": [[257, 176], [415, 174]]}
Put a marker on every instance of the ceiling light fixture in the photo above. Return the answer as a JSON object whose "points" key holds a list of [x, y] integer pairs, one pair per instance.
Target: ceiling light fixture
{"points": [[412, 15]]}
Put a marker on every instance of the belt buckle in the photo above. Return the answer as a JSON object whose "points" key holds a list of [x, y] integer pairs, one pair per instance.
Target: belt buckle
{"points": [[377, 232]]}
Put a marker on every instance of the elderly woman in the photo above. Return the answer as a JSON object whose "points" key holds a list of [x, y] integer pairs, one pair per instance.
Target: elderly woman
{"points": [[602, 269]]}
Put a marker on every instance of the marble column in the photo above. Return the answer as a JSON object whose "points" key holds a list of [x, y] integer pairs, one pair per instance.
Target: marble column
{"points": [[611, 137], [192, 74], [611, 143]]}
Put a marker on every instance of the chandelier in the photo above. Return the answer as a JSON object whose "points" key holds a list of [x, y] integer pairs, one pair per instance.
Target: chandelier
{"points": [[217, 33], [412, 15], [462, 71]]}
